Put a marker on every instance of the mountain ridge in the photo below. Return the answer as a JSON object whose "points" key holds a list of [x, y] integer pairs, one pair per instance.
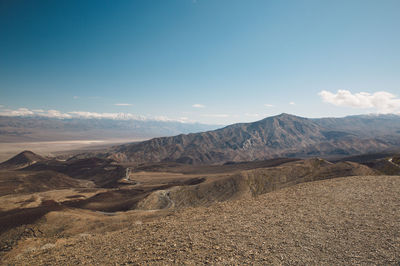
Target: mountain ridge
{"points": [[283, 135], [26, 129]]}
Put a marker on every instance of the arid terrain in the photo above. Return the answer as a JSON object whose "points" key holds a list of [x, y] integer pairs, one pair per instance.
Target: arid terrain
{"points": [[194, 198], [56, 148], [99, 211], [200, 132], [350, 220]]}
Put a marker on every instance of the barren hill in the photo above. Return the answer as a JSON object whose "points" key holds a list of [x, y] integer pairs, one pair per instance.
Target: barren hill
{"points": [[22, 159], [102, 172], [278, 136], [250, 183], [28, 172]]}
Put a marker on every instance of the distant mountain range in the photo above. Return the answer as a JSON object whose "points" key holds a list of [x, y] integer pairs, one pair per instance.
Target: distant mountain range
{"points": [[284, 135], [36, 128]]}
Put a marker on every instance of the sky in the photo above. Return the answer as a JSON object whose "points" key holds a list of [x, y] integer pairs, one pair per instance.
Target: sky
{"points": [[207, 61]]}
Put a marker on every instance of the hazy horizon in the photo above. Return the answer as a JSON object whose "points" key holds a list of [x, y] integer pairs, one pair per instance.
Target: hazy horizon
{"points": [[30, 114], [212, 62]]}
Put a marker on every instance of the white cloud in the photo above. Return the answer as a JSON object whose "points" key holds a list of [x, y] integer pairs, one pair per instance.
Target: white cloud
{"points": [[268, 105], [84, 115], [197, 105], [383, 102], [216, 115], [76, 97], [163, 118], [252, 115], [56, 114], [18, 112], [116, 116], [123, 104], [292, 103], [184, 119], [35, 112]]}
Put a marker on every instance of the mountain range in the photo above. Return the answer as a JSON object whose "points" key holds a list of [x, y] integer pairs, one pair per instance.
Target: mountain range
{"points": [[283, 135], [37, 128]]}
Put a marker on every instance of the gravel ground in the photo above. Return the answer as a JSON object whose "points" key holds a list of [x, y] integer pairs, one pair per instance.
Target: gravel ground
{"points": [[353, 220]]}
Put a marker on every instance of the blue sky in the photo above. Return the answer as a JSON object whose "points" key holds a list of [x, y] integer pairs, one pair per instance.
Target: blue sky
{"points": [[211, 61]]}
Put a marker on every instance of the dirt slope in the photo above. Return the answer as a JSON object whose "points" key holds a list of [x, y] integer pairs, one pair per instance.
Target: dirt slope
{"points": [[352, 220], [250, 182], [20, 182]]}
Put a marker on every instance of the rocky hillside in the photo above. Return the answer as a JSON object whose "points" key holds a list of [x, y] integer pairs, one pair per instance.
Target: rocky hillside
{"points": [[251, 183], [363, 125], [279, 136], [28, 172], [22, 159], [352, 220]]}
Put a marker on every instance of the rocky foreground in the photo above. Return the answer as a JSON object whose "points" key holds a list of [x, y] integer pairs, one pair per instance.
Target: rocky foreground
{"points": [[352, 220]]}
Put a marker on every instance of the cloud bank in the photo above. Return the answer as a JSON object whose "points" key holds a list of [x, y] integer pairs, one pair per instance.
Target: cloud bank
{"points": [[384, 102], [197, 105], [81, 114], [216, 115], [123, 104]]}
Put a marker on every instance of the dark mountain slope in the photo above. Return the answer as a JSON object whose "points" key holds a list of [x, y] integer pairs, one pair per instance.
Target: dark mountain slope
{"points": [[279, 136], [238, 142], [102, 172], [363, 125], [16, 182], [22, 159]]}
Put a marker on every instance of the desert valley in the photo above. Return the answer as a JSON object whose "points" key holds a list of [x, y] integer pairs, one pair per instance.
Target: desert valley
{"points": [[284, 189], [200, 132]]}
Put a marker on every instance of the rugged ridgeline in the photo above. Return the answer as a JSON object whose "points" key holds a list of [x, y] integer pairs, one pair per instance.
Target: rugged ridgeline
{"points": [[279, 136], [251, 183]]}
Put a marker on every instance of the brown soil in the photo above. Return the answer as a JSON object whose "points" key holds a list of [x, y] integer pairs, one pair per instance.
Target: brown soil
{"points": [[145, 190], [228, 167], [352, 220], [222, 187], [18, 182]]}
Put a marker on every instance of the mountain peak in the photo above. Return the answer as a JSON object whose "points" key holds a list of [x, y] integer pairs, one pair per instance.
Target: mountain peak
{"points": [[286, 115], [283, 135], [283, 117], [263, 139]]}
